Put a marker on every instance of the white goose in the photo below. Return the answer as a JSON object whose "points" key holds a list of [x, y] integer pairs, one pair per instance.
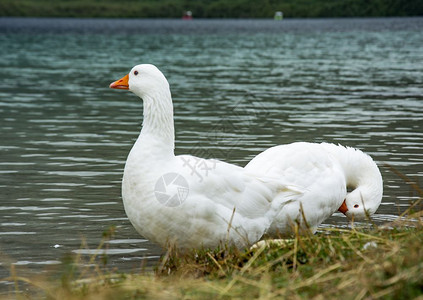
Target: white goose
{"points": [[195, 202]]}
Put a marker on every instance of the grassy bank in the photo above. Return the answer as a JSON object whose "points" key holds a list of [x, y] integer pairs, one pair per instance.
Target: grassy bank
{"points": [[381, 263], [376, 262], [211, 8]]}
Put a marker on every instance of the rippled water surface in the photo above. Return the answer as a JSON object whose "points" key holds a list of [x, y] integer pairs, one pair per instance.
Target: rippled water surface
{"points": [[239, 87]]}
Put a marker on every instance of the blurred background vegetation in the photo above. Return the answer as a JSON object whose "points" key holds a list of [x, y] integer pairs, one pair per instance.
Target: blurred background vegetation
{"points": [[210, 8]]}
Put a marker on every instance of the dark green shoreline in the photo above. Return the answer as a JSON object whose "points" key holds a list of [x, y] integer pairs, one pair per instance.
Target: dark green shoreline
{"points": [[210, 8]]}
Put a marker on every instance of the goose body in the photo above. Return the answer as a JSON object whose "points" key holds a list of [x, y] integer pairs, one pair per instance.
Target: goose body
{"points": [[322, 172], [193, 202]]}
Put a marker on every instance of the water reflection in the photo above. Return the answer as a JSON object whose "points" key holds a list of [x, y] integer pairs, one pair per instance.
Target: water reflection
{"points": [[239, 87]]}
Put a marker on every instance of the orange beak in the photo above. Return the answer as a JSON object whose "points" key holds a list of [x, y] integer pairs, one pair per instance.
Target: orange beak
{"points": [[343, 209], [121, 84]]}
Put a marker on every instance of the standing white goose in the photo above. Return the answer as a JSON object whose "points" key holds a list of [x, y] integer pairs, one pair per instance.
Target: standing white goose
{"points": [[195, 202]]}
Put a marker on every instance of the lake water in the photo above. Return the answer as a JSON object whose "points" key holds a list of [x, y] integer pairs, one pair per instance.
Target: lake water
{"points": [[239, 87]]}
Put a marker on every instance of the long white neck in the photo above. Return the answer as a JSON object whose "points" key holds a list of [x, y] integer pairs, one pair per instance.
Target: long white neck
{"points": [[157, 128], [360, 170]]}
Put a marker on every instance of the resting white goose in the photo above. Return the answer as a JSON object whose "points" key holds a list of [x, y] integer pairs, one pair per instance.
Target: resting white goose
{"points": [[193, 202]]}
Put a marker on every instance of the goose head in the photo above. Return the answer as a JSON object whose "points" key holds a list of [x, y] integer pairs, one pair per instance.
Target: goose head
{"points": [[359, 205], [143, 80]]}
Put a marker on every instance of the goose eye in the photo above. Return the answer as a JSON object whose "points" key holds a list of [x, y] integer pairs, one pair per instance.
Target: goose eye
{"points": [[356, 206], [135, 73]]}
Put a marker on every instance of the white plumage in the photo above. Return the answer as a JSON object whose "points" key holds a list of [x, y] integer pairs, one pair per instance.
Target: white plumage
{"points": [[194, 202]]}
